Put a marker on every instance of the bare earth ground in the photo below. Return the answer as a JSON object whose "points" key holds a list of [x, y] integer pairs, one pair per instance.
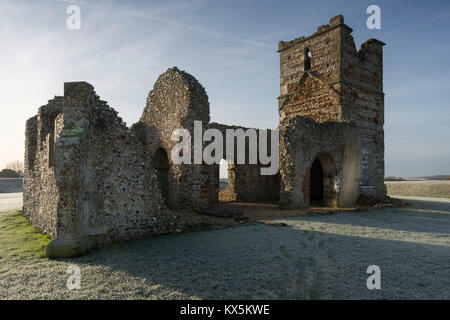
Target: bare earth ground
{"points": [[307, 257]]}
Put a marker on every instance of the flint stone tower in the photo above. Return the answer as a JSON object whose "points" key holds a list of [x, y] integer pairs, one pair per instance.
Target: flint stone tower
{"points": [[324, 77]]}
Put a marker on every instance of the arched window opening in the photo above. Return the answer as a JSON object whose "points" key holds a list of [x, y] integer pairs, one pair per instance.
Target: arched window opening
{"points": [[226, 182], [160, 162], [51, 150], [51, 141], [307, 59]]}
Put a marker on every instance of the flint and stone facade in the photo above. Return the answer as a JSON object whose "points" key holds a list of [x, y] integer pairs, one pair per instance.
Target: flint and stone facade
{"points": [[90, 179]]}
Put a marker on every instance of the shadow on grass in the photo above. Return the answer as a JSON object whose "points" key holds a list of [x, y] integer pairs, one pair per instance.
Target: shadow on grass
{"points": [[421, 216], [275, 262], [257, 261]]}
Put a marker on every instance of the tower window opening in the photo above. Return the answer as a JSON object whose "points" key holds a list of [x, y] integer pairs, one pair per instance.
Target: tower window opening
{"points": [[307, 59]]}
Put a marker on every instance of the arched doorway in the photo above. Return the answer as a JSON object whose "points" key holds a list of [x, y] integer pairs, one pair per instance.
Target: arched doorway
{"points": [[226, 182], [323, 184], [316, 183], [160, 162]]}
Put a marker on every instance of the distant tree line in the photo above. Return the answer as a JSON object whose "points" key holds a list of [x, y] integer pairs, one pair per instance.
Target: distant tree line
{"points": [[13, 169]]}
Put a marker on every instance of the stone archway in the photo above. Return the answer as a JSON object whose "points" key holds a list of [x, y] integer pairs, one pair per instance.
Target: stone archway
{"points": [[323, 183], [227, 189], [316, 183], [160, 162]]}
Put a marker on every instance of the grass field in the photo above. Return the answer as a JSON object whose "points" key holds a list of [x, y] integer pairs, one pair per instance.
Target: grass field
{"points": [[309, 257], [19, 240], [433, 189]]}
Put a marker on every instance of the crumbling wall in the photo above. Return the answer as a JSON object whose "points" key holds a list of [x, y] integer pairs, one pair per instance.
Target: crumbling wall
{"points": [[89, 182], [338, 84], [324, 46], [89, 179], [103, 174], [39, 184], [245, 182], [309, 91], [363, 103], [176, 101], [311, 97], [302, 140]]}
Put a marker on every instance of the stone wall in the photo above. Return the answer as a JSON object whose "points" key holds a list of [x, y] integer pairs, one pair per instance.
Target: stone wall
{"points": [[89, 179], [245, 181], [363, 103], [324, 47], [99, 188], [176, 101], [338, 83], [311, 97], [39, 184], [336, 145]]}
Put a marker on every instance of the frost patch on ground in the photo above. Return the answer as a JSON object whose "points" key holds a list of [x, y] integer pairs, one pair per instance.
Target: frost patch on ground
{"points": [[10, 201], [310, 257]]}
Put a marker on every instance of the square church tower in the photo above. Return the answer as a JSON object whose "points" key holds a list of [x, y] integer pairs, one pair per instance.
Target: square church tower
{"points": [[325, 78]]}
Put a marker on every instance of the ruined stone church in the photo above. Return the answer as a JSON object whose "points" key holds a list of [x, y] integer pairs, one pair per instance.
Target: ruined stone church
{"points": [[90, 179]]}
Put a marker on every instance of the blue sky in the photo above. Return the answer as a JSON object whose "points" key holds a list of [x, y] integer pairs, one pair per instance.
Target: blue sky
{"points": [[230, 47]]}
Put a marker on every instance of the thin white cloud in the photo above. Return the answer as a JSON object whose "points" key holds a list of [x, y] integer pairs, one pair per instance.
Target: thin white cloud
{"points": [[156, 13]]}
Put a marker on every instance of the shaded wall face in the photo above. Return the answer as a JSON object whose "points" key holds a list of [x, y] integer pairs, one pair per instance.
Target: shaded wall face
{"points": [[95, 182], [251, 186], [330, 187], [187, 185], [40, 193], [246, 183], [160, 163], [363, 103], [336, 145], [120, 196], [176, 102]]}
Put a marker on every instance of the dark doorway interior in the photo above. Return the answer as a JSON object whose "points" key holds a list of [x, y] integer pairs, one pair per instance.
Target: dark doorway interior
{"points": [[307, 59], [160, 162], [316, 183]]}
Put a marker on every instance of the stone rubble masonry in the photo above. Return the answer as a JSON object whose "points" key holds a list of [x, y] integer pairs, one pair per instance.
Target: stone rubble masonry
{"points": [[99, 187], [91, 180], [245, 182], [341, 84], [176, 101], [338, 147], [39, 184]]}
